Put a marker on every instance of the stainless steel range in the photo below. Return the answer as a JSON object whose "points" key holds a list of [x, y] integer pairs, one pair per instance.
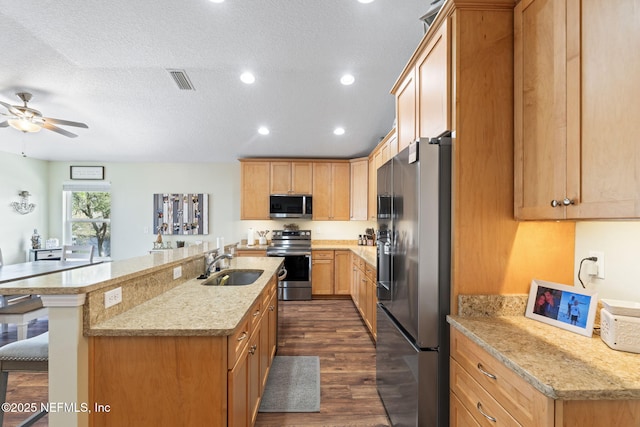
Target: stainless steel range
{"points": [[295, 247]]}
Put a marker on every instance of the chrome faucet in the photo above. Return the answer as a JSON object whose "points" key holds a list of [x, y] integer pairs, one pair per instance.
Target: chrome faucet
{"points": [[212, 264]]}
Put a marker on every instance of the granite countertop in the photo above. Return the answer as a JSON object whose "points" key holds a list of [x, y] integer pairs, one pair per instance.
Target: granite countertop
{"points": [[191, 309], [368, 253], [98, 276], [561, 364]]}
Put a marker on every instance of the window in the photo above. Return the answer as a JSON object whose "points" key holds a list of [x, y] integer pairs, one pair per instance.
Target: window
{"points": [[87, 216]]}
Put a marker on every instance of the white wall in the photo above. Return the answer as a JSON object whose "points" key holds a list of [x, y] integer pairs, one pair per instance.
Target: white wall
{"points": [[133, 186], [21, 173], [620, 242]]}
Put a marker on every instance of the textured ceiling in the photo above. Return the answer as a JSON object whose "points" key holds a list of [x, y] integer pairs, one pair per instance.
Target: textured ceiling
{"points": [[104, 63]]}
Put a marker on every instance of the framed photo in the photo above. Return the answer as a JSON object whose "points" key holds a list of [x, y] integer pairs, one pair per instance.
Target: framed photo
{"points": [[564, 306], [87, 172]]}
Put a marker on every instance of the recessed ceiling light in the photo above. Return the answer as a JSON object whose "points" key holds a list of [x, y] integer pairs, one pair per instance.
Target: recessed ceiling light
{"points": [[338, 131], [263, 130], [347, 79], [216, 1], [247, 78], [365, 1]]}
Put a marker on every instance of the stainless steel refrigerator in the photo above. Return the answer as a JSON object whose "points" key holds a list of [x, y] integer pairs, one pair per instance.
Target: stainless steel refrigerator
{"points": [[414, 267]]}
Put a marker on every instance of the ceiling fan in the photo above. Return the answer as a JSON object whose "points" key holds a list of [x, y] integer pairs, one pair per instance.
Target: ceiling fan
{"points": [[27, 119]]}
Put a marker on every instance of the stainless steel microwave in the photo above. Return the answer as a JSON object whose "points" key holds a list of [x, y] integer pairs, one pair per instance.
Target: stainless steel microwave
{"points": [[290, 206]]}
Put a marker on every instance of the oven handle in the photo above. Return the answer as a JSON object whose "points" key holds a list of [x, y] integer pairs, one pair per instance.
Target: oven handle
{"points": [[289, 253], [282, 274]]}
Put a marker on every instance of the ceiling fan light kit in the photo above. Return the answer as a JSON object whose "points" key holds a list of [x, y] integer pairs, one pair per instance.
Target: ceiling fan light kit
{"points": [[29, 120]]}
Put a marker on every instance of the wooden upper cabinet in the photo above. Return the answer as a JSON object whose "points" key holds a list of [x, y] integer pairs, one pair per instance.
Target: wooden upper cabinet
{"points": [[254, 188], [575, 153], [433, 86], [406, 111], [359, 189], [291, 177], [373, 189], [540, 109], [331, 191], [603, 106], [423, 94]]}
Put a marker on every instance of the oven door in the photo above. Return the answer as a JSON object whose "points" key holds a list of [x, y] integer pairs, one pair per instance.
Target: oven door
{"points": [[296, 286]]}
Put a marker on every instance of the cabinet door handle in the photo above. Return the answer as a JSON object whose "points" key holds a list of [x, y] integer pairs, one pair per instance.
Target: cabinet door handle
{"points": [[555, 203], [567, 201], [253, 348], [257, 313], [484, 414], [243, 336], [271, 308], [490, 375]]}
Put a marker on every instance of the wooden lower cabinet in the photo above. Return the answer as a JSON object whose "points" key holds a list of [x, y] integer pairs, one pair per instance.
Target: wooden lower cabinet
{"points": [[185, 380], [342, 272], [330, 272], [485, 392], [363, 292], [322, 272]]}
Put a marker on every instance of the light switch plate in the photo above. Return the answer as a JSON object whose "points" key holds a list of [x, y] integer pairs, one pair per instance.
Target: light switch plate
{"points": [[177, 272]]}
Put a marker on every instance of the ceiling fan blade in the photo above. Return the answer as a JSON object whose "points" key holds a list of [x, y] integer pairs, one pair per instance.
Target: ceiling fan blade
{"points": [[58, 130], [4, 124], [13, 110], [64, 122]]}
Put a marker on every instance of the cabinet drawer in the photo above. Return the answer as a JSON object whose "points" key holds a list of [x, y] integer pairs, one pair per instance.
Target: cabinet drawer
{"points": [[251, 252], [52, 255], [268, 292], [458, 414], [360, 263], [255, 315], [322, 255], [482, 407], [237, 342], [527, 405], [370, 271]]}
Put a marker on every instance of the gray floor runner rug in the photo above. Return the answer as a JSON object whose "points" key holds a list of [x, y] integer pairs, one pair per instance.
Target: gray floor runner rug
{"points": [[293, 385]]}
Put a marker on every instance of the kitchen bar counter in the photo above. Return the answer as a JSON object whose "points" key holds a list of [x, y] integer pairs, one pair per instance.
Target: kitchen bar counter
{"points": [[191, 309], [560, 364], [26, 270], [95, 277]]}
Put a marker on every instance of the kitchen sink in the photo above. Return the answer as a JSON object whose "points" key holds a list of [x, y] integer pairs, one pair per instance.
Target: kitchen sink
{"points": [[233, 278]]}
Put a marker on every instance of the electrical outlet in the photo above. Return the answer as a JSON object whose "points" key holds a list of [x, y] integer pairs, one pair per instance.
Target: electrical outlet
{"points": [[177, 272], [113, 297], [599, 264]]}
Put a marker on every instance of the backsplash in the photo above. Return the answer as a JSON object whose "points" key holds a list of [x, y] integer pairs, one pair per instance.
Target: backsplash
{"points": [[492, 305]]}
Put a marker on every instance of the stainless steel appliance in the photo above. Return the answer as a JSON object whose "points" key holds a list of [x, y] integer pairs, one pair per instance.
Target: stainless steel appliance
{"points": [[295, 247], [414, 246], [290, 206]]}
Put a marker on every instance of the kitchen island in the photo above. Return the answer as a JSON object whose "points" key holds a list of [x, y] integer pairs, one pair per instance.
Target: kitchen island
{"points": [[545, 375], [77, 314]]}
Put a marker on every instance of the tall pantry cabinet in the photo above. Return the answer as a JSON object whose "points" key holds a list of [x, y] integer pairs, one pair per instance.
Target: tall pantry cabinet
{"points": [[460, 78], [576, 109]]}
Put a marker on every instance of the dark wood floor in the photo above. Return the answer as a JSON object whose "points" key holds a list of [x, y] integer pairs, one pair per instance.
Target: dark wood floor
{"points": [[330, 329], [333, 330]]}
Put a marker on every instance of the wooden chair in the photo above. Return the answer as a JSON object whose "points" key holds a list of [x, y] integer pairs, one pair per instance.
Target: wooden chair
{"points": [[77, 253], [30, 355]]}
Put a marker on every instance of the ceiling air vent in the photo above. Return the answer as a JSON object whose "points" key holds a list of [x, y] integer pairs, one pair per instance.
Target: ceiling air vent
{"points": [[181, 79]]}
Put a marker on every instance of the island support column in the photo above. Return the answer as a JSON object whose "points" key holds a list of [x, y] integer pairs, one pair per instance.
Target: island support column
{"points": [[68, 362]]}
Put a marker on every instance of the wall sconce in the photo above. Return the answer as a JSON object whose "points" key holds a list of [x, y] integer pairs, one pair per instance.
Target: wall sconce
{"points": [[23, 206]]}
